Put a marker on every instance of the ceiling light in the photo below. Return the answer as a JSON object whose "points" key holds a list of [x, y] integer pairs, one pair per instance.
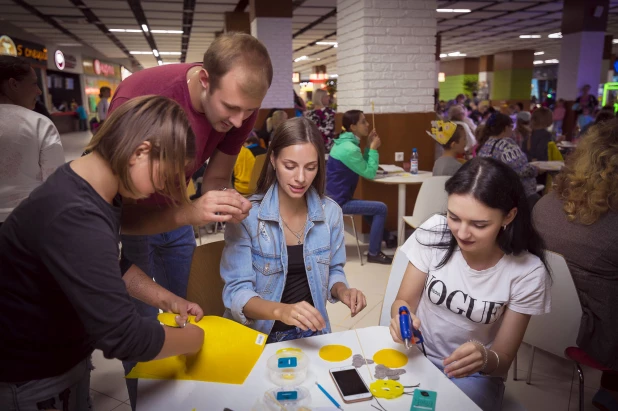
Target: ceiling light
{"points": [[453, 10], [538, 61], [126, 30], [529, 36], [333, 75], [555, 36], [615, 41], [552, 61], [140, 52], [326, 43], [539, 53], [170, 53], [166, 31], [155, 52], [442, 55], [159, 62], [145, 28], [441, 77], [456, 54], [301, 58]]}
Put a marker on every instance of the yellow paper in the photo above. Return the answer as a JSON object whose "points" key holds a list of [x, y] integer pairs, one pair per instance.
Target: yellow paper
{"points": [[335, 353], [390, 358], [228, 355]]}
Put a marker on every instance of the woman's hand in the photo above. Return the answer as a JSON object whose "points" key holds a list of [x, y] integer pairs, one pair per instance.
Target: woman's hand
{"points": [[302, 315], [396, 330], [354, 299], [464, 361], [374, 140]]}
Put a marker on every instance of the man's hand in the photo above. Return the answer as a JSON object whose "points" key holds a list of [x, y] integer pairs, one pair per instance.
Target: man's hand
{"points": [[183, 308], [218, 206]]}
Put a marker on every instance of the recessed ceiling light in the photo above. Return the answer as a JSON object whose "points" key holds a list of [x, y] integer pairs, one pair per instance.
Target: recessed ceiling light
{"points": [[552, 61], [539, 53], [453, 10], [615, 41], [538, 61], [155, 52], [456, 54], [126, 30], [529, 36], [145, 28], [443, 55], [555, 36], [166, 31], [170, 53], [140, 52], [159, 62], [326, 43], [301, 58]]}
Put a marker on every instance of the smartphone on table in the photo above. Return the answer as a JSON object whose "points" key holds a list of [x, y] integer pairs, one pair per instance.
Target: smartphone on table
{"points": [[350, 384], [424, 400]]}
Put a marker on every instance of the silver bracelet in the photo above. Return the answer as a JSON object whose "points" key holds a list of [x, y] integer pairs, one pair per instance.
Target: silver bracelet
{"points": [[484, 353]]}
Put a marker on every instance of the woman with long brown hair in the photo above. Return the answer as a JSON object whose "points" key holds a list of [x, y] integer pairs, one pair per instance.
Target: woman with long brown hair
{"points": [[64, 288], [285, 260], [579, 219]]}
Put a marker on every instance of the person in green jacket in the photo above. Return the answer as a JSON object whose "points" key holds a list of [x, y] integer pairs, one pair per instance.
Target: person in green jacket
{"points": [[345, 164]]}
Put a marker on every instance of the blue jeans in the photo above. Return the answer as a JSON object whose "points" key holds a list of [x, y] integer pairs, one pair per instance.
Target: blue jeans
{"points": [[292, 334], [167, 258], [486, 391], [375, 213]]}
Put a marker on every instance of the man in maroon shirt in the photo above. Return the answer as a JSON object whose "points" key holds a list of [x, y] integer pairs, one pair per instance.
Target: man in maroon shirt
{"points": [[221, 97]]}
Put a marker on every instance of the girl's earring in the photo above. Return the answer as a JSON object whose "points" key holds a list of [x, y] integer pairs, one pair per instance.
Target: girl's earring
{"points": [[504, 227]]}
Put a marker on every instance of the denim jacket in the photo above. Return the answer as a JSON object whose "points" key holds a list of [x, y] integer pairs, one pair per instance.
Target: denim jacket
{"points": [[255, 259]]}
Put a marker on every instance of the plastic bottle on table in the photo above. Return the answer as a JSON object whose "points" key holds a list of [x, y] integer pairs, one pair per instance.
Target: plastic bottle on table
{"points": [[414, 162]]}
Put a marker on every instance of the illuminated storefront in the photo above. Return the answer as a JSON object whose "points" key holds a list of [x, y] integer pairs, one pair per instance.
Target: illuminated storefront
{"points": [[99, 74]]}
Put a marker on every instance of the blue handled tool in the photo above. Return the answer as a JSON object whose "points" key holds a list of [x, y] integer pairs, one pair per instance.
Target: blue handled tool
{"points": [[407, 330], [335, 403]]}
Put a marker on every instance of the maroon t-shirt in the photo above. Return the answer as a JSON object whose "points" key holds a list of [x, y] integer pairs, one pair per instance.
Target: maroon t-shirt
{"points": [[171, 81]]}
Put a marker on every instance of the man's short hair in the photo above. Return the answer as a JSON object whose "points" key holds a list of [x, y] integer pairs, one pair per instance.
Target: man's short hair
{"points": [[239, 49]]}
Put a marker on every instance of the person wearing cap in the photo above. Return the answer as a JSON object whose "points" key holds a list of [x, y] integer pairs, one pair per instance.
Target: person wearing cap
{"points": [[452, 138]]}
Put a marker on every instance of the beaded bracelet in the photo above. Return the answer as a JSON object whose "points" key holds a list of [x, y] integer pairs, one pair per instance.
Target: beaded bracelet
{"points": [[484, 352]]}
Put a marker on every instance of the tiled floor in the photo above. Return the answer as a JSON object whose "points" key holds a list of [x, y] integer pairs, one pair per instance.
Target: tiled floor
{"points": [[554, 383]]}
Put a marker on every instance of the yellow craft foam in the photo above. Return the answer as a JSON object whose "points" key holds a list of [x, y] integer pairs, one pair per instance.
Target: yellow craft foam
{"points": [[390, 358], [335, 353]]}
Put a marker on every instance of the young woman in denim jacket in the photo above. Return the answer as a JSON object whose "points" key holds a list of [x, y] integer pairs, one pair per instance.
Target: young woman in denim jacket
{"points": [[283, 262]]}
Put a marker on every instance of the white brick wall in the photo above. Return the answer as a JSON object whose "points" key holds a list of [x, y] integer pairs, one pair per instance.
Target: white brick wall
{"points": [[276, 34], [386, 54]]}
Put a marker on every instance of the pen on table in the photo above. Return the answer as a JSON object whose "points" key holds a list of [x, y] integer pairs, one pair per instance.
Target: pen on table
{"points": [[335, 403]]}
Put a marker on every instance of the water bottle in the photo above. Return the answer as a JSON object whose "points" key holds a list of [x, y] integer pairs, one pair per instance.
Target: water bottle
{"points": [[414, 162]]}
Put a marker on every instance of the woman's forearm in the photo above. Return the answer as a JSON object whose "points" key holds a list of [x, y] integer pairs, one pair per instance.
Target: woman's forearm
{"points": [[259, 309], [400, 303]]}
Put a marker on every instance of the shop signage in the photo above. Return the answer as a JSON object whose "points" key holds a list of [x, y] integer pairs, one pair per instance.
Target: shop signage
{"points": [[20, 48], [99, 68]]}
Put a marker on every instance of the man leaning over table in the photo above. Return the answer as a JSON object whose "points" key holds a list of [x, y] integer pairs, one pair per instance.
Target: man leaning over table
{"points": [[221, 97]]}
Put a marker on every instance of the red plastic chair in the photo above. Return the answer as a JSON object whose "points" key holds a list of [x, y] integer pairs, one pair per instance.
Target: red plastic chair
{"points": [[578, 356]]}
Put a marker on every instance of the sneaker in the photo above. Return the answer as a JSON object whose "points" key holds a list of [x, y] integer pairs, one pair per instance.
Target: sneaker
{"points": [[379, 258]]}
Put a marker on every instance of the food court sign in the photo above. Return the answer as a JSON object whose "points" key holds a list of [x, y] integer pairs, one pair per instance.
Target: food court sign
{"points": [[97, 67], [33, 52]]}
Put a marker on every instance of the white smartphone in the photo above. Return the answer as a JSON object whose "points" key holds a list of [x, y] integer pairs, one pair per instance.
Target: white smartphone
{"points": [[350, 384]]}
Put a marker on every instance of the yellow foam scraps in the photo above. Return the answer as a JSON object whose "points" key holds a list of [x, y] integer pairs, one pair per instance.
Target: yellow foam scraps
{"points": [[390, 358], [228, 355], [335, 353]]}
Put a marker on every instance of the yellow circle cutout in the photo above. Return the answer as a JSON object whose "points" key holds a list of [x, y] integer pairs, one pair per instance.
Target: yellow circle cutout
{"points": [[390, 358], [335, 353]]}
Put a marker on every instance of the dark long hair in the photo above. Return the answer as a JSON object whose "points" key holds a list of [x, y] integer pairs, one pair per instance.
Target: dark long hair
{"points": [[495, 125], [298, 130], [496, 185], [350, 118]]}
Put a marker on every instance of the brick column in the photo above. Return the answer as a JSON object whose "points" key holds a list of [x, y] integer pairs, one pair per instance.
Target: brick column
{"points": [[387, 55], [271, 23]]}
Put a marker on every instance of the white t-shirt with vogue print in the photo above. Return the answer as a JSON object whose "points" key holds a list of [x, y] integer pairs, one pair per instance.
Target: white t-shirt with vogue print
{"points": [[459, 304]]}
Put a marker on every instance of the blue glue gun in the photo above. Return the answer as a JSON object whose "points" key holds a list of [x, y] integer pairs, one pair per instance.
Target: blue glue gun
{"points": [[407, 330]]}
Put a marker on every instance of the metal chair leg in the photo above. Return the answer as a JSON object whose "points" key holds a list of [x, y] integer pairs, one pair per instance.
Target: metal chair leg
{"points": [[360, 255], [529, 377], [580, 373], [515, 368]]}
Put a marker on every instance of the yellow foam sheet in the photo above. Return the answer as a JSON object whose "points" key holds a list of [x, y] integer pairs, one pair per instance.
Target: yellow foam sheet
{"points": [[228, 355], [335, 353], [390, 358]]}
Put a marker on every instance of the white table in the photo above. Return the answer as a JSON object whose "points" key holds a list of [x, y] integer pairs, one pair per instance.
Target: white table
{"points": [[402, 180], [165, 395]]}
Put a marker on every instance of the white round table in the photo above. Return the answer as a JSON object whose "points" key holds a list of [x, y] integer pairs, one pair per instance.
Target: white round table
{"points": [[403, 179]]}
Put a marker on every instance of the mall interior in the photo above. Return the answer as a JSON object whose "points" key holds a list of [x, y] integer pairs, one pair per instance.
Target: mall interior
{"points": [[527, 82]]}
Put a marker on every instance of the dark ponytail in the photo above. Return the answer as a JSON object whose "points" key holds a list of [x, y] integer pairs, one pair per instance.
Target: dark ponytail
{"points": [[495, 125]]}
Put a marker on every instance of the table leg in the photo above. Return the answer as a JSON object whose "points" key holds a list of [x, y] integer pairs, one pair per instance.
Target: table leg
{"points": [[401, 211]]}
